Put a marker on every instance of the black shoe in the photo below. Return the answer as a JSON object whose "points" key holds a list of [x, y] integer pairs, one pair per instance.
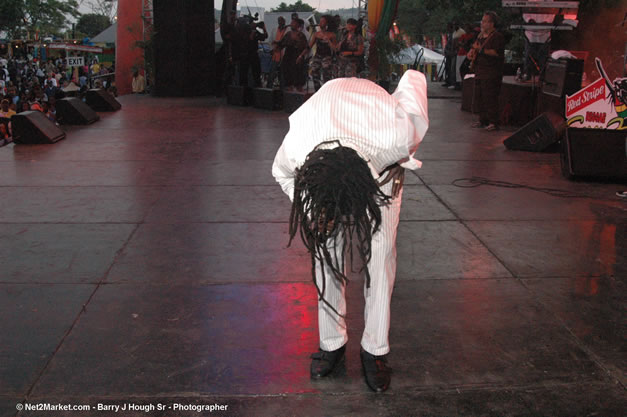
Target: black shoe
{"points": [[323, 362], [376, 371]]}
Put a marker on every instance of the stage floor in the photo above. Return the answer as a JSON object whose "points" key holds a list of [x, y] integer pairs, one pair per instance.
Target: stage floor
{"points": [[144, 262]]}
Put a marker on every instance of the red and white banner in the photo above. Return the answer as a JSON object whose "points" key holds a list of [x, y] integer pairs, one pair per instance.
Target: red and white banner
{"points": [[600, 105]]}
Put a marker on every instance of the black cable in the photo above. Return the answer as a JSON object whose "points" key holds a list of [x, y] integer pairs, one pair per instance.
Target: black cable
{"points": [[474, 182]]}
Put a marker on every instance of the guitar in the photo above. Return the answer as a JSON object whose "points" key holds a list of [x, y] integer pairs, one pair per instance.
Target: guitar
{"points": [[476, 49]]}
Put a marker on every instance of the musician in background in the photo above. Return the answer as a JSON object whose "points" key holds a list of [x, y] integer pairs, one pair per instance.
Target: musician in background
{"points": [[537, 43], [488, 56], [277, 54]]}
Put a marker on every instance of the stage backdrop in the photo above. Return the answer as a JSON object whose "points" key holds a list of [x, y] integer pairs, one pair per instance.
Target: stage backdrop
{"points": [[184, 47]]}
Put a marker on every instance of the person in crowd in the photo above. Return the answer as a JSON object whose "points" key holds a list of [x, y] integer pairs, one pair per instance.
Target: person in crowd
{"points": [[52, 108], [45, 109], [351, 50], [301, 28], [257, 34], [82, 77], [277, 53], [224, 61], [11, 90], [344, 176], [296, 48], [450, 57], [51, 80], [240, 40], [95, 67], [488, 56], [537, 43], [5, 109], [326, 44], [36, 106], [50, 90], [138, 84], [465, 45], [5, 136], [459, 58]]}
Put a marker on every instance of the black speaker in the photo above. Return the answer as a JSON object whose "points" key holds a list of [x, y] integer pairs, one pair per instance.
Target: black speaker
{"points": [[184, 44], [33, 127], [293, 100], [267, 98], [562, 76], [72, 111], [538, 134], [100, 100], [468, 90], [239, 95], [594, 153]]}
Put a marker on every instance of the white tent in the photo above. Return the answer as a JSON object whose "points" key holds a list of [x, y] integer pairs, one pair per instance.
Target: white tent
{"points": [[408, 56], [106, 36]]}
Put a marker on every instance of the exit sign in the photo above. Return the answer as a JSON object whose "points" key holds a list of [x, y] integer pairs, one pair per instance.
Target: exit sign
{"points": [[75, 61]]}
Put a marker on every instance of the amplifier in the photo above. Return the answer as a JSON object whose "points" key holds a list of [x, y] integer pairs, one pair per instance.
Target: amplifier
{"points": [[562, 77], [594, 153]]}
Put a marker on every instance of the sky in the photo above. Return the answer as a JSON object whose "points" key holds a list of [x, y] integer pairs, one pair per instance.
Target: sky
{"points": [[320, 5]]}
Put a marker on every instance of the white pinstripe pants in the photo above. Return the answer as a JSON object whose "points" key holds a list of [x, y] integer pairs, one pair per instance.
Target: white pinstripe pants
{"points": [[382, 268]]}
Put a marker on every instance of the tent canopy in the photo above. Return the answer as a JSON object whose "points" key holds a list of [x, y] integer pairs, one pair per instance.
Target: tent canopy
{"points": [[106, 36], [408, 56]]}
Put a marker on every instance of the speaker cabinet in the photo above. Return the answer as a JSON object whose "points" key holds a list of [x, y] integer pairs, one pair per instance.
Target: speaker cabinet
{"points": [[594, 153], [468, 90], [538, 134], [33, 127], [293, 100], [101, 100], [267, 98], [72, 111], [184, 44], [562, 76], [239, 95]]}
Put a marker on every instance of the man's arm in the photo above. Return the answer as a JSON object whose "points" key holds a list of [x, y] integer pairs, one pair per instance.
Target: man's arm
{"points": [[412, 115], [283, 171]]}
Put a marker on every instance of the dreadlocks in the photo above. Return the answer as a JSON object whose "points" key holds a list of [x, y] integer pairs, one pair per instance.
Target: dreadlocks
{"points": [[335, 199]]}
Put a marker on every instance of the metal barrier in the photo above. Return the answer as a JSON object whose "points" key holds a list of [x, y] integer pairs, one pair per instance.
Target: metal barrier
{"points": [[105, 80]]}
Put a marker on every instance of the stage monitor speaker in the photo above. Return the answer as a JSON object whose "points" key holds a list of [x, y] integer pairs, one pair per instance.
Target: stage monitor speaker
{"points": [[267, 98], [100, 100], [293, 100], [562, 77], [538, 134], [33, 127], [72, 111], [594, 153], [239, 95], [468, 89]]}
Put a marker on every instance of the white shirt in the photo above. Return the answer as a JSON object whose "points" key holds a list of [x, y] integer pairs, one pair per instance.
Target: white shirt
{"points": [[538, 35], [384, 129]]}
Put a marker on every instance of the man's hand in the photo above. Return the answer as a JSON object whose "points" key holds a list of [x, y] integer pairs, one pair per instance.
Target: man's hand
{"points": [[398, 178], [396, 174], [322, 219]]}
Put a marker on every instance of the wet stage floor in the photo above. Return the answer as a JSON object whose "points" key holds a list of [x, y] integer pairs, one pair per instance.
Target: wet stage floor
{"points": [[143, 261]]}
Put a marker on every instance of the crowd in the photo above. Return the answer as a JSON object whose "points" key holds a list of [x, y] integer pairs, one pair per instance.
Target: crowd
{"points": [[326, 50], [33, 85]]}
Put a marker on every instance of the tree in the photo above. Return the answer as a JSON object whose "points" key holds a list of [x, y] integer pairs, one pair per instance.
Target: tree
{"points": [[45, 16], [299, 6], [92, 24], [104, 7], [420, 18], [10, 15]]}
